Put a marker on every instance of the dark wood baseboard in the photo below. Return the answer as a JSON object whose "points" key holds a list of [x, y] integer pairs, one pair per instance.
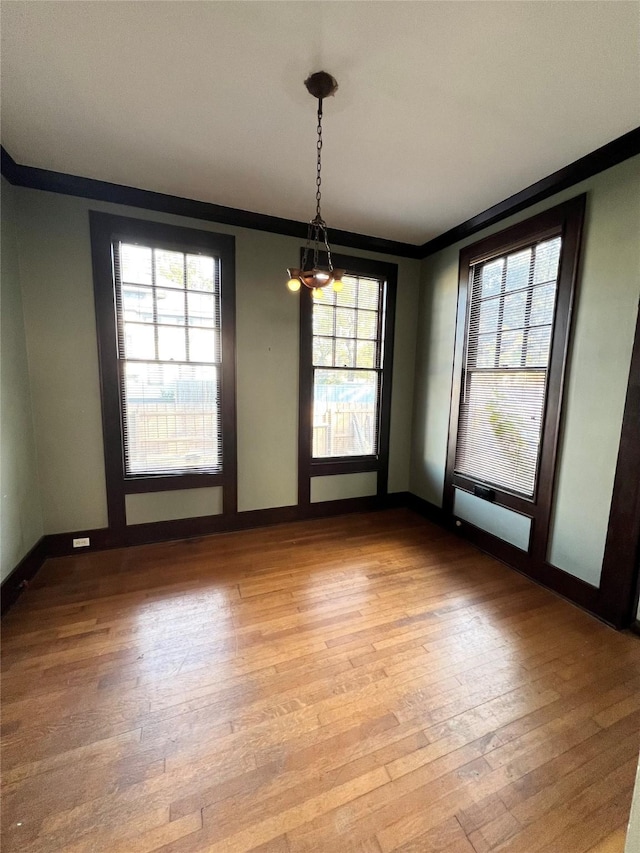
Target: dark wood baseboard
{"points": [[575, 590], [18, 580], [430, 511], [61, 544]]}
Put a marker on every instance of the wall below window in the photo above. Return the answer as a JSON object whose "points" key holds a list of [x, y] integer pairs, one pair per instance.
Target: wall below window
{"points": [[21, 511], [602, 340], [57, 282]]}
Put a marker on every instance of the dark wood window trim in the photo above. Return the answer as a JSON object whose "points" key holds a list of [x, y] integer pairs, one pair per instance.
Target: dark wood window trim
{"points": [[567, 220], [307, 467], [104, 229], [619, 590]]}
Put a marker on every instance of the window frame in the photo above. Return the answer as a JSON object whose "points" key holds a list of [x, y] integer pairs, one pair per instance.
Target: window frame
{"points": [[565, 220], [309, 467], [106, 229]]}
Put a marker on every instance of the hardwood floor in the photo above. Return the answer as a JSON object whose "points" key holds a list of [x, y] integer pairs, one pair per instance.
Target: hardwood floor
{"points": [[368, 683]]}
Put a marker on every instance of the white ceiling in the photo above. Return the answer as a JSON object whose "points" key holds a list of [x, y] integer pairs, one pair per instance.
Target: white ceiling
{"points": [[444, 108]]}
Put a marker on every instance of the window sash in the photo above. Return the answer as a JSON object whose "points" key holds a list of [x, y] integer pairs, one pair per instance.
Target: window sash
{"points": [[347, 339], [171, 425], [507, 351]]}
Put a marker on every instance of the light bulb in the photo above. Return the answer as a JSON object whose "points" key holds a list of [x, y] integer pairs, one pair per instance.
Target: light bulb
{"points": [[293, 284], [317, 293], [338, 284]]}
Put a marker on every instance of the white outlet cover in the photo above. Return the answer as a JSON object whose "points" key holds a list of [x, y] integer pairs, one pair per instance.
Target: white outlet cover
{"points": [[81, 543]]}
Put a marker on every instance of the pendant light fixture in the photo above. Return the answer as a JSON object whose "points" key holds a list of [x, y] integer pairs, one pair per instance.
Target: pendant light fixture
{"points": [[320, 85]]}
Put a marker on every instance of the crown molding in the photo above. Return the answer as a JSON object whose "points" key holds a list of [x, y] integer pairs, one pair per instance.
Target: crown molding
{"points": [[60, 182], [611, 154], [608, 155]]}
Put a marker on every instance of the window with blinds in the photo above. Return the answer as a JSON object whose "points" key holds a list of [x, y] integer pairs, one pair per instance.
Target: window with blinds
{"points": [[510, 316], [169, 359], [347, 362]]}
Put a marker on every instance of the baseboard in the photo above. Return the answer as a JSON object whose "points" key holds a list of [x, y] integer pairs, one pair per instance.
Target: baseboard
{"points": [[428, 510], [635, 627], [61, 544], [18, 580]]}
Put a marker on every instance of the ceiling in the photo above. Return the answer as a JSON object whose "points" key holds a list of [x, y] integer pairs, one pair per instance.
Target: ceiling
{"points": [[444, 108]]}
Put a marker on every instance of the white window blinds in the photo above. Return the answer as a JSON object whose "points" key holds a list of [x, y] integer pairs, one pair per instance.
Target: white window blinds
{"points": [[169, 359], [347, 368], [507, 349]]}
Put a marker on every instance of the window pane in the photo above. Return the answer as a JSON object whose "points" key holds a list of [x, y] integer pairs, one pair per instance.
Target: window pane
{"points": [[170, 306], [203, 345], [367, 324], [491, 279], [139, 341], [486, 354], [542, 304], [501, 419], [489, 310], [172, 420], [135, 264], [345, 353], [201, 309], [200, 273], [323, 320], [547, 258], [169, 268], [347, 296], [518, 266], [323, 352], [514, 308], [171, 344], [137, 304], [510, 349], [369, 293], [538, 347], [345, 413], [365, 354], [345, 322]]}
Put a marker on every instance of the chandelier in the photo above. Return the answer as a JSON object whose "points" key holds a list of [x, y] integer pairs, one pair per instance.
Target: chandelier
{"points": [[320, 85]]}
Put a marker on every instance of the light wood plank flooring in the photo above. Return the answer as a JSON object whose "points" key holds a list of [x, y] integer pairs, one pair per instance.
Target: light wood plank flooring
{"points": [[368, 683]]}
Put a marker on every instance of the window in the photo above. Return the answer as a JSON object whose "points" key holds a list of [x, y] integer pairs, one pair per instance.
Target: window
{"points": [[348, 356], [514, 308], [170, 359], [346, 349], [164, 305], [511, 306]]}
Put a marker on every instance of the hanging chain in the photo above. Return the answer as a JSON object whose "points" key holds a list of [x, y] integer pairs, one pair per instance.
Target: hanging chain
{"points": [[317, 226], [319, 162]]}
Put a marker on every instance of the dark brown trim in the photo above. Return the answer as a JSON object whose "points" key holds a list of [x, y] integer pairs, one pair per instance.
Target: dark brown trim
{"points": [[346, 465], [621, 562], [428, 510], [18, 580], [60, 182], [308, 467], [104, 228], [565, 219], [141, 485], [61, 544], [609, 155], [576, 590]]}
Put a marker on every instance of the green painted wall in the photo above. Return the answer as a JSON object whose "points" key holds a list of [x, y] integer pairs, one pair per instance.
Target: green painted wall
{"points": [[21, 511], [60, 321], [603, 331]]}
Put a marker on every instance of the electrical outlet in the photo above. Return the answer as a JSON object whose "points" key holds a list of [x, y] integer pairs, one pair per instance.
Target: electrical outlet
{"points": [[81, 543]]}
